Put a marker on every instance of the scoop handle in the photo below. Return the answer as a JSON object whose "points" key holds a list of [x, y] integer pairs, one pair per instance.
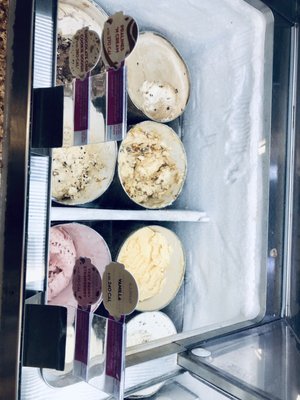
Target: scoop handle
{"points": [[81, 355]]}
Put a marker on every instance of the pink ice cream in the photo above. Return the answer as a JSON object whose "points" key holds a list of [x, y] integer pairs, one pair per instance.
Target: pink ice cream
{"points": [[69, 242], [62, 261]]}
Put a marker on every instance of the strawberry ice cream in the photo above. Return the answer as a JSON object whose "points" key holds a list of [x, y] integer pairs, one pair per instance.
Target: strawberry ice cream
{"points": [[69, 242], [62, 261]]}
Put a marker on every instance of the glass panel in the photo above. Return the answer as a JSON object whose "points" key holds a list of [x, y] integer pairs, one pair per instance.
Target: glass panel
{"points": [[227, 141], [139, 379], [264, 361], [182, 387], [174, 390]]}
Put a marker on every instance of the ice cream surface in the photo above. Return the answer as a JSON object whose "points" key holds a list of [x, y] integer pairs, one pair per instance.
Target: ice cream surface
{"points": [[81, 174], [83, 241], [63, 72], [146, 254], [147, 166], [159, 100], [158, 78], [62, 261]]}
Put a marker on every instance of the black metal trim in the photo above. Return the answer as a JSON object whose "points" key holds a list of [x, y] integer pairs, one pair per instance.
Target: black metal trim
{"points": [[14, 194]]}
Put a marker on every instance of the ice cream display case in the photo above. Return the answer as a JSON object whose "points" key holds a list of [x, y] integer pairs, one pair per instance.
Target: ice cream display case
{"points": [[163, 185]]}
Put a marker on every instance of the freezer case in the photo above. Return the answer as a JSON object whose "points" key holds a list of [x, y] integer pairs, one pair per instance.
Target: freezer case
{"points": [[235, 316]]}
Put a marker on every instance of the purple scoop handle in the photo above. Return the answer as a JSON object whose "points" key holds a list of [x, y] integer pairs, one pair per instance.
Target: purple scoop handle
{"points": [[81, 110], [82, 335], [115, 348]]}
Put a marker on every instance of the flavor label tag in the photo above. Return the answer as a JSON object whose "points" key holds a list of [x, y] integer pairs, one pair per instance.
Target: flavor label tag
{"points": [[84, 52], [119, 36], [120, 291], [86, 282]]}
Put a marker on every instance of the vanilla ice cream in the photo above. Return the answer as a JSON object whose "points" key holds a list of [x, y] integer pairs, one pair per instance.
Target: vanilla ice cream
{"points": [[152, 164], [146, 255]]}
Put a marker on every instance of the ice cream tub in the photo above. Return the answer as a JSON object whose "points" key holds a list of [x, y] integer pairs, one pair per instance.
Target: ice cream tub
{"points": [[158, 79], [81, 174], [67, 243], [144, 328], [72, 16], [155, 257], [86, 102], [152, 165]]}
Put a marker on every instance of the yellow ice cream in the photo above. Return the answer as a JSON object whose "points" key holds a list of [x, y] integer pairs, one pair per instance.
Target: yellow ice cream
{"points": [[146, 255]]}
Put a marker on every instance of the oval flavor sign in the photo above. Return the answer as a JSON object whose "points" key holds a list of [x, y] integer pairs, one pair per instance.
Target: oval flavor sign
{"points": [[86, 282], [119, 36], [84, 53], [120, 291]]}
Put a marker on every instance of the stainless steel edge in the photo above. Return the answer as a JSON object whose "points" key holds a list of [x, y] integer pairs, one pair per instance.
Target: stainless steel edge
{"points": [[278, 162], [272, 374], [179, 343], [262, 7], [291, 140], [92, 214], [156, 351], [233, 390], [289, 9], [294, 300], [14, 194], [216, 389], [294, 317], [162, 378]]}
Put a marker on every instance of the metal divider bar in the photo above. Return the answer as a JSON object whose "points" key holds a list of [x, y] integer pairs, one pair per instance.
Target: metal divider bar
{"points": [[82, 214]]}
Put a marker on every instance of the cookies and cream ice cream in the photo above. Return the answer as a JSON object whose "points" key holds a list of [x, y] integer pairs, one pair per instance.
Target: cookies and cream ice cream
{"points": [[81, 174], [62, 261], [63, 72], [159, 98], [158, 79], [152, 164], [146, 254]]}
